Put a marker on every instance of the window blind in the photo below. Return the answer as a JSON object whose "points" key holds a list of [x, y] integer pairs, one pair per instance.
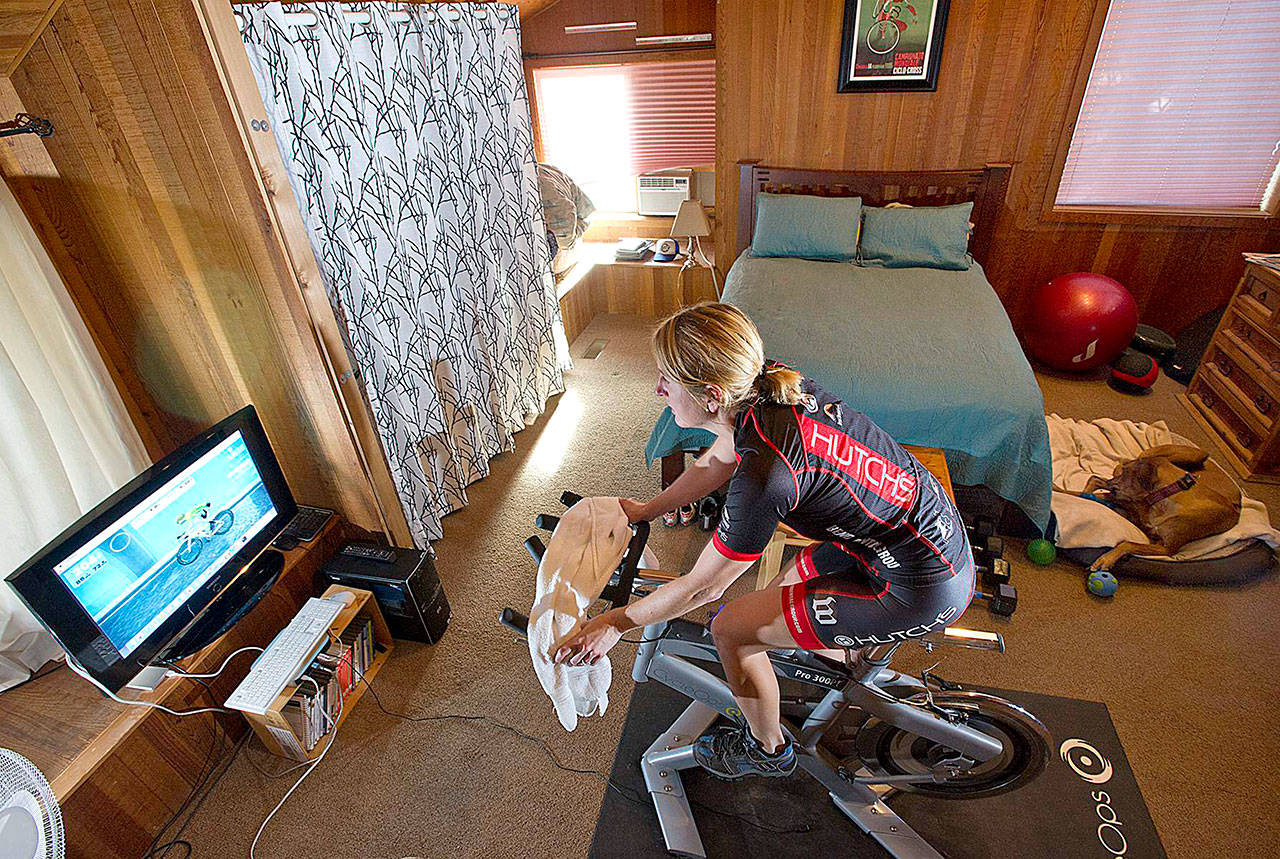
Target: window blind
{"points": [[1182, 108], [628, 119]]}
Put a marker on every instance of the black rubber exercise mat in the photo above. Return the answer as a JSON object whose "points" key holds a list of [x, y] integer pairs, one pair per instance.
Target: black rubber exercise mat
{"points": [[1078, 807]]}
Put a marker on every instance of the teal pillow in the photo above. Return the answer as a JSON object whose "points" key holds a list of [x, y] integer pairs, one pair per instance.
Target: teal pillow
{"points": [[924, 236], [800, 225]]}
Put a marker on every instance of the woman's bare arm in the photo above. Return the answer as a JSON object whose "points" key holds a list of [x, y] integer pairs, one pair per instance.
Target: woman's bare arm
{"points": [[707, 474], [706, 582]]}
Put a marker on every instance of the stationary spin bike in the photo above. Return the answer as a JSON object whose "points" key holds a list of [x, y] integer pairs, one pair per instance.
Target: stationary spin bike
{"points": [[922, 735]]}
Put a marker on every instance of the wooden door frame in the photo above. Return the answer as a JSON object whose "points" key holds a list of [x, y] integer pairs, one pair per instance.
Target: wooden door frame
{"points": [[290, 233]]}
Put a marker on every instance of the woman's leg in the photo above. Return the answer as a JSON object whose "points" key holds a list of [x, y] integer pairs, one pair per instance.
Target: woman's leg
{"points": [[791, 575], [744, 631]]}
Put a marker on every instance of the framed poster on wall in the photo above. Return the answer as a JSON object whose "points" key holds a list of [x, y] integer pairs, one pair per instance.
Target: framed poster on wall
{"points": [[891, 45]]}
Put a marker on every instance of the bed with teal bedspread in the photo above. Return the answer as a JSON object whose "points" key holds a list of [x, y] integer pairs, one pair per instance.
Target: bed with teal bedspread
{"points": [[928, 354]]}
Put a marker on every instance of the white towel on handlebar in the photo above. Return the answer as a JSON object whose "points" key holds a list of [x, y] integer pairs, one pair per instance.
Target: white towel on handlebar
{"points": [[584, 550]]}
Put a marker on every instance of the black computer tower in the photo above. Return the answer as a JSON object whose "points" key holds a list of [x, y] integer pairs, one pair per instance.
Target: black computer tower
{"points": [[407, 589]]}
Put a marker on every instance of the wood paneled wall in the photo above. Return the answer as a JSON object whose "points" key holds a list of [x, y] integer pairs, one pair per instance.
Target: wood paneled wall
{"points": [[1009, 68], [147, 202], [543, 32], [20, 22]]}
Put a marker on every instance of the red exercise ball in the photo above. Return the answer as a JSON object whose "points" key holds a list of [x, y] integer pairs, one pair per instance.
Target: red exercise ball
{"points": [[1080, 321]]}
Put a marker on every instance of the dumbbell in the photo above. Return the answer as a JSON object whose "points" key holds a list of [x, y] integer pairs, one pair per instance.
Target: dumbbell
{"points": [[993, 544], [995, 572], [989, 556], [1001, 596], [983, 537], [982, 528], [1002, 599]]}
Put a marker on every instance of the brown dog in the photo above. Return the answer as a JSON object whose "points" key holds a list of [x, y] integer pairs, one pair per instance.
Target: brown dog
{"points": [[1172, 496]]}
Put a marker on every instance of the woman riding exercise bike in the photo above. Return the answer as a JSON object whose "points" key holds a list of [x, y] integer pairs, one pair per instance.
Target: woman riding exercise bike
{"points": [[895, 563]]}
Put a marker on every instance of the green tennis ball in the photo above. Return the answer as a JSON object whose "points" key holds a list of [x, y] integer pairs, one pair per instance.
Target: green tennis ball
{"points": [[1042, 552]]}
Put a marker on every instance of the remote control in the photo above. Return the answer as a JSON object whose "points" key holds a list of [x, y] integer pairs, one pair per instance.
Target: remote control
{"points": [[368, 553]]}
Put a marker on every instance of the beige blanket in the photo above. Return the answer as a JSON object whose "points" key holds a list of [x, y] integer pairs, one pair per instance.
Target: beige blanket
{"points": [[1084, 448]]}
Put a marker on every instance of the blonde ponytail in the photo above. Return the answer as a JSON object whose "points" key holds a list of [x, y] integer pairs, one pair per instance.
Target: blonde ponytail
{"points": [[779, 384], [716, 344]]}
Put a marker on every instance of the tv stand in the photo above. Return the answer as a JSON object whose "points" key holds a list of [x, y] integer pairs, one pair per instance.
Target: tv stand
{"points": [[119, 772]]}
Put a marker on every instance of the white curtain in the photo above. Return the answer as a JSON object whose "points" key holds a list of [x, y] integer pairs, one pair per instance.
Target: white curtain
{"points": [[408, 139], [66, 441]]}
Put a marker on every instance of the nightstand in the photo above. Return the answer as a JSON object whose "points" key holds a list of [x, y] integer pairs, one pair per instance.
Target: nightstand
{"points": [[601, 284]]}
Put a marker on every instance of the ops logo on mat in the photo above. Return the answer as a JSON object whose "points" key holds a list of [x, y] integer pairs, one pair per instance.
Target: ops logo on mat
{"points": [[1085, 761]]}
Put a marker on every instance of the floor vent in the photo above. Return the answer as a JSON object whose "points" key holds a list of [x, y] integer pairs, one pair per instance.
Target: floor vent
{"points": [[594, 350]]}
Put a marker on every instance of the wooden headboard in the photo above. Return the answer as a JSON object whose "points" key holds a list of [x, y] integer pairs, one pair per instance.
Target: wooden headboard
{"points": [[986, 188]]}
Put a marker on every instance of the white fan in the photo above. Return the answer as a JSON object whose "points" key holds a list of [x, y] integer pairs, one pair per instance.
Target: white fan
{"points": [[30, 820]]}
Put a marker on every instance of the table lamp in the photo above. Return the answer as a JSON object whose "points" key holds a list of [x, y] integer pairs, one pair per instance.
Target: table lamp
{"points": [[691, 223]]}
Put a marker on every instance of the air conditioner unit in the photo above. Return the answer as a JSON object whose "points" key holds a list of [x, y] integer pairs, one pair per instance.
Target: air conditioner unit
{"points": [[662, 193]]}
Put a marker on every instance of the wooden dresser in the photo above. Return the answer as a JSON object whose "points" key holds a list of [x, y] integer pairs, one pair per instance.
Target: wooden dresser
{"points": [[1235, 394]]}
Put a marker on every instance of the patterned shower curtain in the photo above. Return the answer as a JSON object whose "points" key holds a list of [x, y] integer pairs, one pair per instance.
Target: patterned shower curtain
{"points": [[410, 149]]}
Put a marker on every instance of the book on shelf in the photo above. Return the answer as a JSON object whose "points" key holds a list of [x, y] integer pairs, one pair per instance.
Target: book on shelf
{"points": [[316, 703], [298, 722], [631, 249]]}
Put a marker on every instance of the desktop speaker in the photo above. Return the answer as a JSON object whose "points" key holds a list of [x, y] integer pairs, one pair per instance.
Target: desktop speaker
{"points": [[403, 581]]}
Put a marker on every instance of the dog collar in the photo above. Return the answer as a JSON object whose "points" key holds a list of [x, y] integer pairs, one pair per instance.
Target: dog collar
{"points": [[1182, 484]]}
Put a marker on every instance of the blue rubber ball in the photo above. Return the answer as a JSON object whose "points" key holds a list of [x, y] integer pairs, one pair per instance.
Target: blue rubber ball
{"points": [[1102, 583]]}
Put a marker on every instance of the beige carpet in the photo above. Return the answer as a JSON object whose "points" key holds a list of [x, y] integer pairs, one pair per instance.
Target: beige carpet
{"points": [[1189, 674]]}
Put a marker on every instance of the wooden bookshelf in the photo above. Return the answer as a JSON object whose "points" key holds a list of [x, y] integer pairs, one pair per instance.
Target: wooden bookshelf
{"points": [[266, 725]]}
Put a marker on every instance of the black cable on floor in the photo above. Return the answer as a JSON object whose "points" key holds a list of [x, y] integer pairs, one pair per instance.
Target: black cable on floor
{"points": [[210, 764], [207, 780], [628, 793], [205, 783]]}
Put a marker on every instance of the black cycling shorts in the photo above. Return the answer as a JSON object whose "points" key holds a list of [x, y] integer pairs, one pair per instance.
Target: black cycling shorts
{"points": [[844, 600]]}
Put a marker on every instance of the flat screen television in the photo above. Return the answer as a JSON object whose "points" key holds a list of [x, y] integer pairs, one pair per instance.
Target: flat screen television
{"points": [[169, 561]]}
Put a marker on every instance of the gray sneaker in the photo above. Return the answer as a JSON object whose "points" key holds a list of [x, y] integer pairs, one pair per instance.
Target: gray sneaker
{"points": [[730, 752]]}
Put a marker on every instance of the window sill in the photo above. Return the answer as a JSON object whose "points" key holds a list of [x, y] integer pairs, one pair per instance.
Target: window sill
{"points": [[611, 226], [1154, 216]]}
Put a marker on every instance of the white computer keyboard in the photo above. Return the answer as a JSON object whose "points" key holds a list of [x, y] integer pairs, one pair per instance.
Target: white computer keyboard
{"points": [[286, 656]]}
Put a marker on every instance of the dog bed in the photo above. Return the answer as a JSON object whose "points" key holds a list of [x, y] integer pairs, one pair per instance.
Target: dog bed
{"points": [[1250, 560], [1086, 529]]}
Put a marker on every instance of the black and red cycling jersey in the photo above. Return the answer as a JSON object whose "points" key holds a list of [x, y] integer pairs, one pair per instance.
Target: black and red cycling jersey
{"points": [[832, 474]]}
